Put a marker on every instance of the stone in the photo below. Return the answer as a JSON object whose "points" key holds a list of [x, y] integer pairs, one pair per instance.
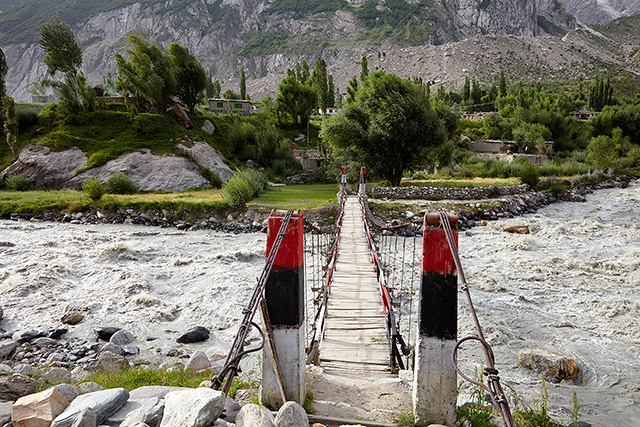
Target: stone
{"points": [[39, 409], [58, 376], [1, 313], [208, 127], [105, 333], [80, 374], [208, 157], [134, 417], [108, 361], [553, 366], [104, 403], [291, 414], [72, 317], [195, 334], [254, 416], [197, 407], [5, 369], [113, 348], [25, 336], [198, 362], [517, 228], [251, 164], [43, 342], [181, 115], [89, 387], [5, 412], [152, 407], [223, 423], [7, 348], [122, 337], [25, 369], [86, 418], [17, 385], [69, 391]]}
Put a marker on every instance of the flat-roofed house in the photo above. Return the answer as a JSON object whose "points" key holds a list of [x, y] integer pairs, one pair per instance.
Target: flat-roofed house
{"points": [[226, 106]]}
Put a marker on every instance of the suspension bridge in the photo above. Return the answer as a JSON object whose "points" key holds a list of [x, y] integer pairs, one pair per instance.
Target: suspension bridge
{"points": [[327, 299]]}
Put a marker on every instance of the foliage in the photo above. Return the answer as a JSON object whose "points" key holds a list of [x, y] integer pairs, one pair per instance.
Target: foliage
{"points": [[3, 73], [389, 125], [17, 183], [146, 75], [265, 44], [213, 178], [625, 117], [530, 138], [405, 418], [133, 378], [537, 415], [236, 191], [93, 188], [529, 174], [120, 183], [230, 94], [254, 178], [296, 99], [302, 9], [10, 123], [601, 95], [190, 76], [243, 84], [320, 84], [297, 197], [604, 151]]}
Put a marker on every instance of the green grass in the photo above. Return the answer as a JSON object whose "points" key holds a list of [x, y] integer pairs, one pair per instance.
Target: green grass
{"points": [[130, 379], [461, 182], [308, 196]]}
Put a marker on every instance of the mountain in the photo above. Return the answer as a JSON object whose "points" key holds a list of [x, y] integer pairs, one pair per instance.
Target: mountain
{"points": [[601, 11], [452, 37]]}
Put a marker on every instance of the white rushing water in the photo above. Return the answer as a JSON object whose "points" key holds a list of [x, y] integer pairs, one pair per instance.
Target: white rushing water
{"points": [[569, 287]]}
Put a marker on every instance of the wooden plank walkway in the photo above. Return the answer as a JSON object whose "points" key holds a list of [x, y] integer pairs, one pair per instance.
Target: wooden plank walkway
{"points": [[355, 341]]}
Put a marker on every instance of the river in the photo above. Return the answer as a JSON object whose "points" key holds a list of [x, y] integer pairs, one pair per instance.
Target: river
{"points": [[569, 287]]}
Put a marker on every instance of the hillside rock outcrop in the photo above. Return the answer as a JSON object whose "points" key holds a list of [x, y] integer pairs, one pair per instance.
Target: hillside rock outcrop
{"points": [[208, 157]]}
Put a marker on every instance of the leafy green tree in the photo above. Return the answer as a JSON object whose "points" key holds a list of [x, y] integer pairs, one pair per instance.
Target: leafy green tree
{"points": [[305, 73], [295, 99], [603, 151], [466, 89], [243, 84], [502, 85], [146, 75], [191, 78], [331, 90], [531, 137], [389, 125], [230, 94], [3, 73], [319, 83], [10, 123], [476, 92], [601, 95], [216, 89], [364, 68], [352, 88], [64, 55], [213, 87]]}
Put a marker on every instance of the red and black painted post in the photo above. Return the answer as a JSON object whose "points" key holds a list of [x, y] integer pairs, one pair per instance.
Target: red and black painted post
{"points": [[435, 385], [285, 299], [363, 173]]}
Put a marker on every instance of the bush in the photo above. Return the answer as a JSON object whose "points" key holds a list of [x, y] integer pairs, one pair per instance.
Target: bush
{"points": [[255, 179], [529, 174], [236, 191], [213, 178], [18, 183], [120, 183], [93, 187]]}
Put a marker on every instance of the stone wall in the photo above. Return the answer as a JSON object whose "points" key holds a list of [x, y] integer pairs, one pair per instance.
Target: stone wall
{"points": [[444, 193]]}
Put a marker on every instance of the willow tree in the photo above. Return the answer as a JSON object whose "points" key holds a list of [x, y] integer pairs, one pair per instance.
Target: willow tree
{"points": [[389, 125], [190, 77]]}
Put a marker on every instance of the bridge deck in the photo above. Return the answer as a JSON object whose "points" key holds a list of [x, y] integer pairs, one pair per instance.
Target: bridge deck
{"points": [[355, 341]]}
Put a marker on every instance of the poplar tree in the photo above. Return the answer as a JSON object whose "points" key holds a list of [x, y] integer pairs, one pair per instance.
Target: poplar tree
{"points": [[319, 82], [331, 90], [243, 84], [3, 73], [466, 89], [364, 68], [502, 85]]}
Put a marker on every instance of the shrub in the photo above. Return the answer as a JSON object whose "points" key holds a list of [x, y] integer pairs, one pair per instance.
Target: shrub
{"points": [[120, 183], [93, 187], [213, 178], [236, 191], [529, 174], [18, 183], [256, 180]]}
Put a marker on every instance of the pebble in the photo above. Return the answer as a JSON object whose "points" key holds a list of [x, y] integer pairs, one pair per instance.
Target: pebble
{"points": [[105, 332]]}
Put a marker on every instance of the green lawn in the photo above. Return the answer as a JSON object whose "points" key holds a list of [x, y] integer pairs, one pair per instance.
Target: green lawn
{"points": [[295, 197]]}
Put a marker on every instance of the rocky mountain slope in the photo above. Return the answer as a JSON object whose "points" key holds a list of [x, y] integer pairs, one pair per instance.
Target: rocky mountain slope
{"points": [[601, 11], [269, 36]]}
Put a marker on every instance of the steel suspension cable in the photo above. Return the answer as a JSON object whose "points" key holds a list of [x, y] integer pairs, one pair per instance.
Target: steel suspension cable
{"points": [[493, 387]]}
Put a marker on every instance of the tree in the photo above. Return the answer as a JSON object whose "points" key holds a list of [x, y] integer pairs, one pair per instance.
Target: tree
{"points": [[191, 78], [319, 83], [10, 123], [364, 68], [64, 55], [352, 88], [603, 151], [216, 89], [331, 90], [502, 85], [296, 99], [146, 75], [389, 125], [3, 73], [243, 84], [466, 89], [230, 94]]}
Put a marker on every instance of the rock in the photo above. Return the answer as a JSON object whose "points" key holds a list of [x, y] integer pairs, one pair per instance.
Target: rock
{"points": [[122, 337], [89, 387], [208, 127], [208, 157], [134, 417], [7, 348], [254, 416], [25, 369], [223, 423], [195, 334], [58, 375], [47, 169], [5, 412], [104, 403], [72, 317], [113, 348], [152, 407], [181, 115], [291, 414], [43, 342], [197, 407], [69, 391], [552, 365], [5, 369], [56, 333], [109, 361], [251, 164], [17, 385], [1, 313], [198, 362], [39, 409], [105, 333], [25, 336], [86, 418], [80, 374], [517, 228]]}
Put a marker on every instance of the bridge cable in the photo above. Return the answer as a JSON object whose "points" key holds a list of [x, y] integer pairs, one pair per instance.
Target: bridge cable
{"points": [[493, 386], [232, 364]]}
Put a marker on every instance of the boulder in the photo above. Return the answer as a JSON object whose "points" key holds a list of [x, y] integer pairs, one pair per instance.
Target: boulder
{"points": [[122, 337], [24, 369], [5, 370], [517, 228], [148, 172], [553, 366], [56, 333], [178, 111], [5, 412], [72, 317], [89, 387], [254, 416], [104, 403], [47, 170], [134, 417], [105, 333], [39, 409], [109, 361], [86, 418], [1, 313], [80, 374], [58, 376], [208, 157], [17, 385], [69, 391], [151, 407], [291, 414], [195, 334], [198, 407], [198, 362], [43, 342], [208, 127], [7, 348]]}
